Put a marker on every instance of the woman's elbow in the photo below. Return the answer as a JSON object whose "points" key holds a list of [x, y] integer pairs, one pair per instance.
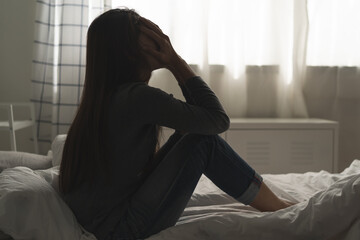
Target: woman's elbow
{"points": [[226, 122], [223, 123]]}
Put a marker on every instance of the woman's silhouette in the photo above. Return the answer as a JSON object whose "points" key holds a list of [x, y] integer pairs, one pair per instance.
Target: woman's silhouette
{"points": [[113, 175]]}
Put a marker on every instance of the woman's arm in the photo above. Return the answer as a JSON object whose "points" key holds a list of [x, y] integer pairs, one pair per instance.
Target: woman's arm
{"points": [[202, 113]]}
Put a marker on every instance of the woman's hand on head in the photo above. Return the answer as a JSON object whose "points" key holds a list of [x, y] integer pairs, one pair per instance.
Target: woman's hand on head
{"points": [[160, 53], [156, 46]]}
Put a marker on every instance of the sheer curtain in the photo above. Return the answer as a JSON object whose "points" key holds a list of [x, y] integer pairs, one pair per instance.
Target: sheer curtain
{"points": [[59, 62], [332, 83], [252, 53], [270, 58]]}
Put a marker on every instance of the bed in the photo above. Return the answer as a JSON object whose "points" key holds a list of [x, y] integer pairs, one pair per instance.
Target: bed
{"points": [[328, 206]]}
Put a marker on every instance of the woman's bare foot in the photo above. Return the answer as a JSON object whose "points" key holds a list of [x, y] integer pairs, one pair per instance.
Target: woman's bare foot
{"points": [[267, 201], [287, 203]]}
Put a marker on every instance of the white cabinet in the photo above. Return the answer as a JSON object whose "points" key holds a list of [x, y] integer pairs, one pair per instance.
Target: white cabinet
{"points": [[284, 145]]}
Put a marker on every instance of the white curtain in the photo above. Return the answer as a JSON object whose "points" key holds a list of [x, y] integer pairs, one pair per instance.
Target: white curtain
{"points": [[59, 62], [270, 58], [252, 53], [332, 82]]}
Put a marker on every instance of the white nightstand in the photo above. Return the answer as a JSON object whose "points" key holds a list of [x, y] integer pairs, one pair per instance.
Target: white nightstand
{"points": [[286, 145]]}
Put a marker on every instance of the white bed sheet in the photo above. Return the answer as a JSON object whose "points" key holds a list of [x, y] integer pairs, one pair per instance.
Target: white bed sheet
{"points": [[328, 208]]}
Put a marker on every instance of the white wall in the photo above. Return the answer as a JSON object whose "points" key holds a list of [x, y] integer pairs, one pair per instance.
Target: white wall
{"points": [[16, 39]]}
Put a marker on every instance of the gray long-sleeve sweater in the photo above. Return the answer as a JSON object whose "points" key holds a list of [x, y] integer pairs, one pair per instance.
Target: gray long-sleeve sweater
{"points": [[135, 111]]}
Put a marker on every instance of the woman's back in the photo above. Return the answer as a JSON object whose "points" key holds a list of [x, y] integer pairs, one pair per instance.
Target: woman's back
{"points": [[131, 146]]}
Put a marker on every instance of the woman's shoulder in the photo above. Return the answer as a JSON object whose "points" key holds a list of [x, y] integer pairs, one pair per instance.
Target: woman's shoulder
{"points": [[137, 98], [130, 88], [137, 89], [138, 93]]}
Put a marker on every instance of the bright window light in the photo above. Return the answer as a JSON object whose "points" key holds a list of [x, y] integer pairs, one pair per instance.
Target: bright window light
{"points": [[334, 33], [255, 32]]}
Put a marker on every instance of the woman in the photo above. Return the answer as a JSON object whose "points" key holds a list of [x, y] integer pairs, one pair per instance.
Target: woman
{"points": [[113, 176]]}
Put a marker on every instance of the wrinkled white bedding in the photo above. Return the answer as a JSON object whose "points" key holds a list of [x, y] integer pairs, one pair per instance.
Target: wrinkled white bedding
{"points": [[30, 208], [329, 208]]}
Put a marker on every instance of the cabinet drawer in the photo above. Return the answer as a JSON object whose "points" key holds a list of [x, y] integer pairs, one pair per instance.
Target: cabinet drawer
{"points": [[284, 151]]}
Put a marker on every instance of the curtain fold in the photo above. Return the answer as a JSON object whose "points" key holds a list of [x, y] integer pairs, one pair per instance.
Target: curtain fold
{"points": [[59, 62], [252, 53]]}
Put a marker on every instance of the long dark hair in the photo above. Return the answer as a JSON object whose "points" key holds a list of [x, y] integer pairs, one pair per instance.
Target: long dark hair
{"points": [[113, 57]]}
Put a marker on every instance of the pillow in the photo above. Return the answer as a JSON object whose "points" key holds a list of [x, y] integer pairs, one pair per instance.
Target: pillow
{"points": [[9, 159], [57, 147], [30, 208]]}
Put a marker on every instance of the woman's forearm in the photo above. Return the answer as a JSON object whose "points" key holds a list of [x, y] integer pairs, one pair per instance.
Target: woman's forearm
{"points": [[181, 70]]}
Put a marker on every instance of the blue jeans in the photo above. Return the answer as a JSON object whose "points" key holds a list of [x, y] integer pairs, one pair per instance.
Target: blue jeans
{"points": [[160, 201]]}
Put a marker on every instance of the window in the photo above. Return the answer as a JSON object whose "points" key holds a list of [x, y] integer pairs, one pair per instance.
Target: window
{"points": [[256, 32], [334, 33]]}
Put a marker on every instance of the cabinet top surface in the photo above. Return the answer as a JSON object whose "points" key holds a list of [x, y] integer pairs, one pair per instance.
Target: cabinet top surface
{"points": [[282, 122]]}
